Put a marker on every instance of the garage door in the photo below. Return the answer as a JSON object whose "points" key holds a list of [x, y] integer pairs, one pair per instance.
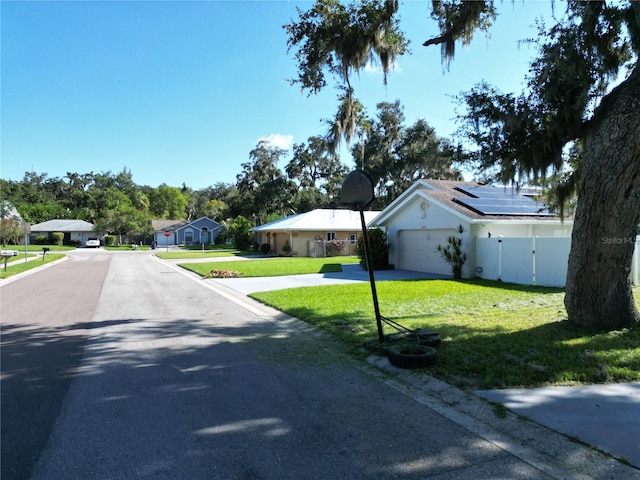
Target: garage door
{"points": [[162, 240], [418, 250]]}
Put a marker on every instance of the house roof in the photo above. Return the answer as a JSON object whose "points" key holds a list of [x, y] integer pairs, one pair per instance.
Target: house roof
{"points": [[160, 225], [324, 220], [59, 225], [447, 193], [194, 222]]}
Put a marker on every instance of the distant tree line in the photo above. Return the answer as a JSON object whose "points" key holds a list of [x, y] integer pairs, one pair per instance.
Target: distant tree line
{"points": [[392, 154]]}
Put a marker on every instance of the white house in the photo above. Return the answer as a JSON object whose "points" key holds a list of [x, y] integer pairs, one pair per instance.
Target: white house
{"points": [[75, 231], [318, 233], [492, 218]]}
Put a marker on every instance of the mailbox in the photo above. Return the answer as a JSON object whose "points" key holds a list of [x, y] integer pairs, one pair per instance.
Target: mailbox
{"points": [[6, 254]]}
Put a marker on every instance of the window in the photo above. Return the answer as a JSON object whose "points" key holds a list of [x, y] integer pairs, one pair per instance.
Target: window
{"points": [[331, 236], [188, 236], [352, 239]]}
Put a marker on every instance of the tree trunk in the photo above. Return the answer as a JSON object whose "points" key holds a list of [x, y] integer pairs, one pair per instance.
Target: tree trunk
{"points": [[598, 293]]}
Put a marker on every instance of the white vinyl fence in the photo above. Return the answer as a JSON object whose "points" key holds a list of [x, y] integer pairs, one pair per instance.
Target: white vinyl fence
{"points": [[532, 260]]}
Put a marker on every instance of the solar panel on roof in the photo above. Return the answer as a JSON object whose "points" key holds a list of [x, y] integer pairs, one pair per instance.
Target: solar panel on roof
{"points": [[496, 192], [511, 205]]}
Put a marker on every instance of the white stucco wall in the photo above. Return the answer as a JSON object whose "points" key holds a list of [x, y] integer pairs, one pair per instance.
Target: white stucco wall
{"points": [[413, 216]]}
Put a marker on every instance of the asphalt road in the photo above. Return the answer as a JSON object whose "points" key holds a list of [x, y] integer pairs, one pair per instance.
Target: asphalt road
{"points": [[45, 323], [173, 380]]}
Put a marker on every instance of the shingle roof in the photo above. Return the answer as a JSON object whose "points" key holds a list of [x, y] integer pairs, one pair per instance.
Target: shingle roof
{"points": [[446, 191], [443, 192], [59, 225], [159, 225], [320, 220]]}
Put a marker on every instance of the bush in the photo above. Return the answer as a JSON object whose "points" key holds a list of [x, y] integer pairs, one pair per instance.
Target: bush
{"points": [[41, 240], [453, 254], [110, 240], [379, 249], [241, 230], [286, 248], [265, 248], [57, 238]]}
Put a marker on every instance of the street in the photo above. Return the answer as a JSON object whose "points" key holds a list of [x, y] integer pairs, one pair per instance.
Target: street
{"points": [[124, 368], [46, 319]]}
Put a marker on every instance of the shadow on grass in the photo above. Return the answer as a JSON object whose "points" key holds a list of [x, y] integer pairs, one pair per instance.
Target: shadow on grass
{"points": [[553, 353], [510, 286], [495, 357], [330, 268]]}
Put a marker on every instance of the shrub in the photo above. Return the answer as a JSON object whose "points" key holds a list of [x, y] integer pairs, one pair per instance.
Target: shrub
{"points": [[334, 247], [265, 247], [41, 240], [379, 249], [286, 248], [110, 240], [57, 238], [241, 230], [453, 254]]}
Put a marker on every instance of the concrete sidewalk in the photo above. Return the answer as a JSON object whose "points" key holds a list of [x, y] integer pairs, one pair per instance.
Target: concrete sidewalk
{"points": [[606, 416]]}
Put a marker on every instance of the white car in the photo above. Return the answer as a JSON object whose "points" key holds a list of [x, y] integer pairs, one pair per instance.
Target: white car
{"points": [[92, 243]]}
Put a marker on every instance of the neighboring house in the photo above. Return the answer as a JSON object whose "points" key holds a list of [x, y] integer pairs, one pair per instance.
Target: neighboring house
{"points": [[182, 232], [507, 235], [75, 231], [318, 233]]}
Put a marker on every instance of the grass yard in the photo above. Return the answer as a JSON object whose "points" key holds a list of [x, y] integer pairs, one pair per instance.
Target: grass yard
{"points": [[199, 253], [274, 267], [22, 266], [126, 247], [38, 248], [494, 335]]}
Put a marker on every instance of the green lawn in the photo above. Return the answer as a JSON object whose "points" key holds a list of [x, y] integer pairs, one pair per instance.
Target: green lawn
{"points": [[126, 248], [198, 253], [494, 335], [38, 248], [22, 266], [273, 267]]}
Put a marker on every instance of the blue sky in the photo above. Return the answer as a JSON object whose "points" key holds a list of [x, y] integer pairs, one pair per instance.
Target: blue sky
{"points": [[181, 92]]}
